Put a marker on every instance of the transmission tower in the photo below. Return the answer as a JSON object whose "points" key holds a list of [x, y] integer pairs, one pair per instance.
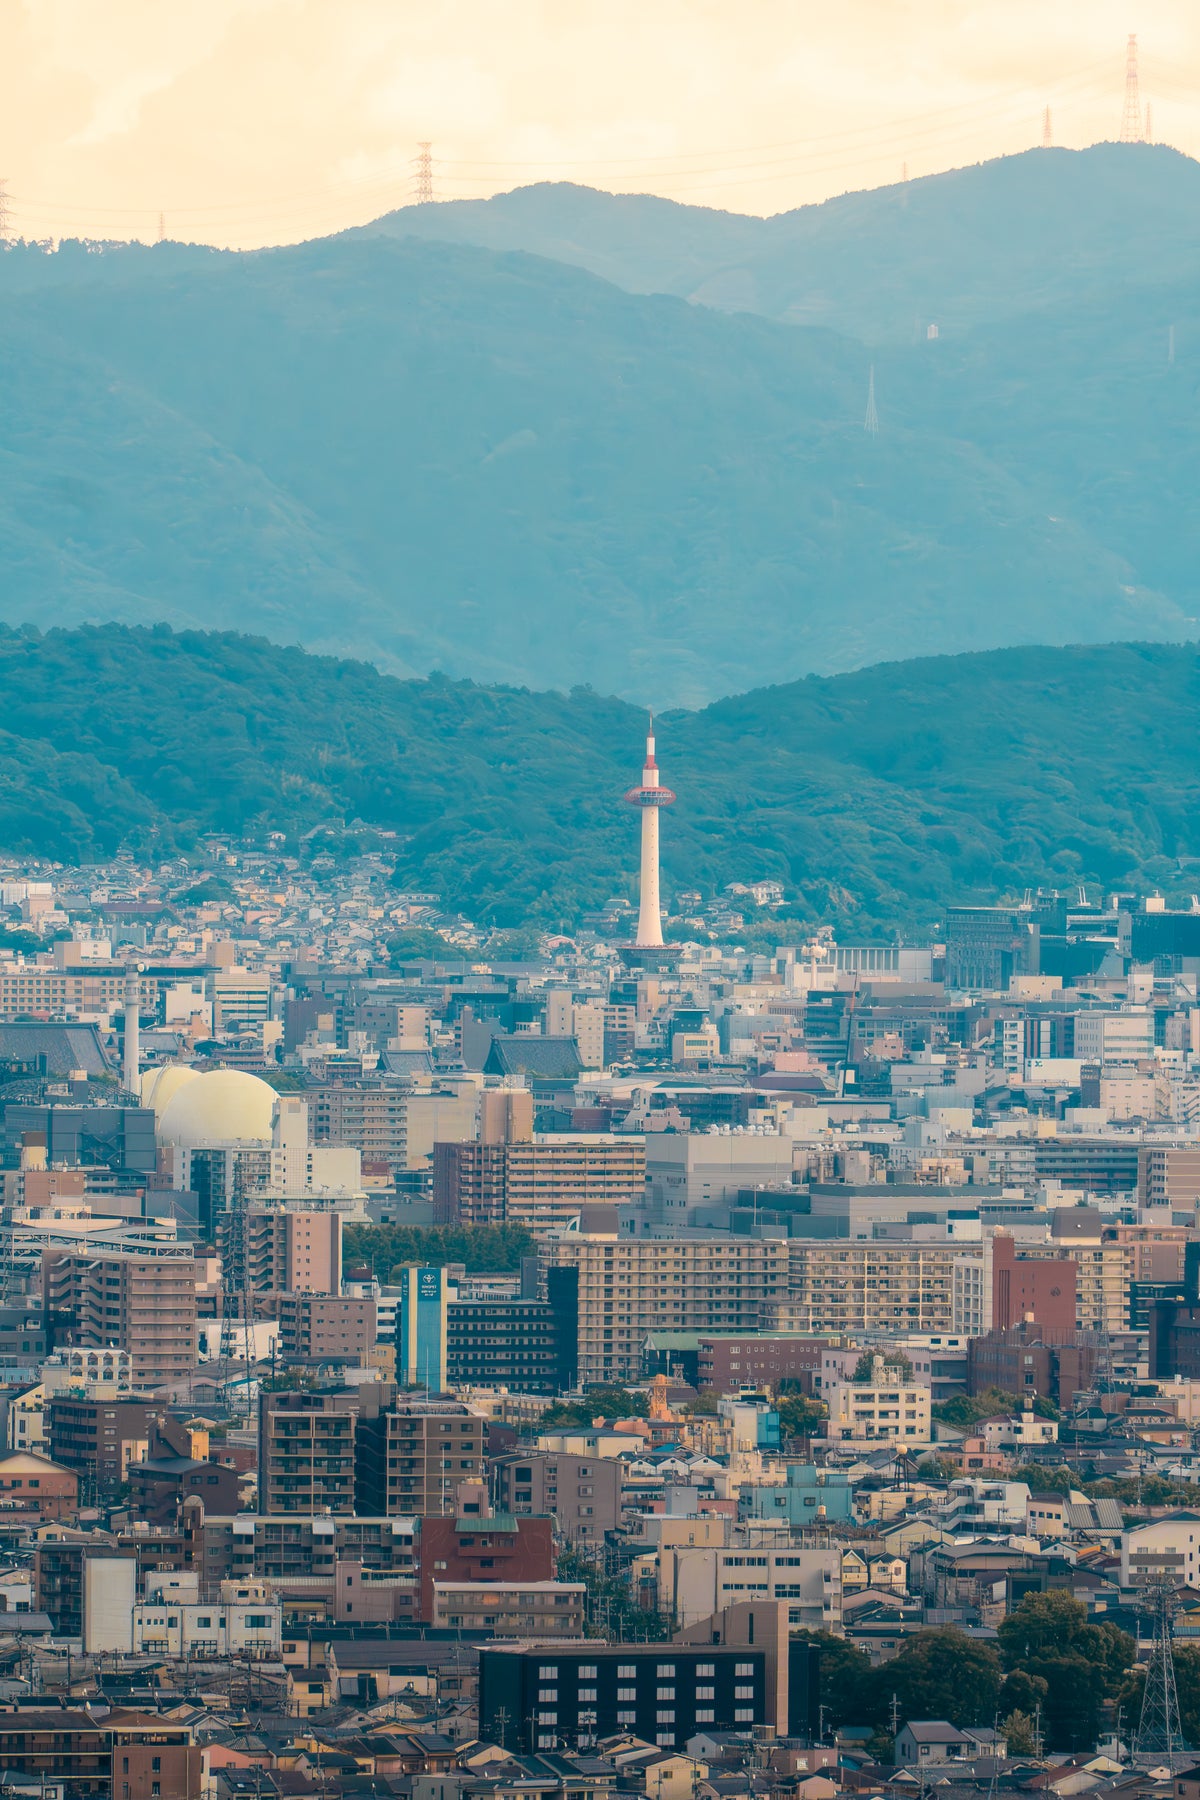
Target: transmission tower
{"points": [[1159, 1732], [871, 422], [162, 227], [1047, 131], [423, 174], [1131, 117], [5, 213]]}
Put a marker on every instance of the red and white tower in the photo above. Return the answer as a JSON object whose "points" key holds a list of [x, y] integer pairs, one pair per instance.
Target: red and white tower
{"points": [[650, 796]]}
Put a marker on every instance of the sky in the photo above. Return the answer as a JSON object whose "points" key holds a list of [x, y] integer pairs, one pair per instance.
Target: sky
{"points": [[248, 122]]}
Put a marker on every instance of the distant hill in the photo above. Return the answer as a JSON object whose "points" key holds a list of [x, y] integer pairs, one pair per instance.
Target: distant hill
{"points": [[875, 797], [443, 456], [972, 246]]}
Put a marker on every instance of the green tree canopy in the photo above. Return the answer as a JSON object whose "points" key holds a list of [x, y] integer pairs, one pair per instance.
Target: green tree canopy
{"points": [[940, 1674]]}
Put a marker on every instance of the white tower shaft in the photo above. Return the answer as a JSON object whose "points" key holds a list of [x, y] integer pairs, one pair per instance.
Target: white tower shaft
{"points": [[649, 930], [133, 1048]]}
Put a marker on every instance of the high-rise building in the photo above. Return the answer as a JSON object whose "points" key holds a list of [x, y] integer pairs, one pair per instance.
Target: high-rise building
{"points": [[143, 1304], [421, 1311]]}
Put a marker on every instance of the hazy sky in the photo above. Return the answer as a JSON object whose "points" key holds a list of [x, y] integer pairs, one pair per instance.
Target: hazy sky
{"points": [[263, 121]]}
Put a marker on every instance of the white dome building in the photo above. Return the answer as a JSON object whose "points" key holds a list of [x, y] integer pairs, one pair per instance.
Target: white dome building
{"points": [[222, 1106], [159, 1086]]}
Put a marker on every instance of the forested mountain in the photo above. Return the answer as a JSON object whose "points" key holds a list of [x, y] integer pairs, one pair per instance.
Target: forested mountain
{"points": [[441, 456], [875, 797], [990, 242]]}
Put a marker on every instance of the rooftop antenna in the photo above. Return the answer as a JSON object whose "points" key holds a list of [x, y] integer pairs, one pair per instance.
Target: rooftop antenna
{"points": [[871, 422], [1047, 131], [423, 174], [1131, 117]]}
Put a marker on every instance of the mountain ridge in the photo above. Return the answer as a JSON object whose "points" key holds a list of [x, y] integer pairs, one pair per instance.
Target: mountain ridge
{"points": [[875, 797]]}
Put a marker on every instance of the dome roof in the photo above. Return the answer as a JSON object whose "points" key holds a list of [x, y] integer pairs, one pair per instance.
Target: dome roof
{"points": [[159, 1086], [219, 1107]]}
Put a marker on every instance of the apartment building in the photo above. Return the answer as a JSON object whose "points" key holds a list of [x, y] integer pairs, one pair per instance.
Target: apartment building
{"points": [[628, 1288], [145, 1305], [282, 1248], [392, 1124], [541, 1184], [307, 1452], [428, 1449], [878, 1285], [581, 1493], [1169, 1176], [319, 1328], [884, 1409], [510, 1609], [697, 1580]]}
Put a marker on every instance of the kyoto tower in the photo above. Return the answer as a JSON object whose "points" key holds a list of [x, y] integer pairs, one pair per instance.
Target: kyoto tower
{"points": [[650, 796]]}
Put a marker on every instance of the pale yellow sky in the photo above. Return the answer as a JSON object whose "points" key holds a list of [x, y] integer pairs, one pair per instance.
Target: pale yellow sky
{"points": [[263, 121]]}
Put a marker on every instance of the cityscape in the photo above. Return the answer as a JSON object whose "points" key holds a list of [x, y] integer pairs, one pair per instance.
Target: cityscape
{"points": [[599, 902]]}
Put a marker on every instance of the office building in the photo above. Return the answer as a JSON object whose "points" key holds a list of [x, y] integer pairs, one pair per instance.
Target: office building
{"points": [[421, 1327], [540, 1182]]}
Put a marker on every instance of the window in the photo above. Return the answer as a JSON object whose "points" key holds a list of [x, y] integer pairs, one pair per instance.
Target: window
{"points": [[666, 1693], [626, 1693], [626, 1671], [547, 1742], [547, 1671], [743, 1715], [666, 1669], [588, 1693], [587, 1671], [705, 1715], [744, 1669], [743, 1693], [547, 1718], [626, 1718], [705, 1669], [665, 1718], [706, 1693], [156, 1765], [549, 1695]]}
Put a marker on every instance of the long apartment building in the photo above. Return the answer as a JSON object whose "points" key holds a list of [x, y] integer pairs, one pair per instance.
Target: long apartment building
{"points": [[622, 1289], [145, 1305], [856, 1285], [282, 1248]]}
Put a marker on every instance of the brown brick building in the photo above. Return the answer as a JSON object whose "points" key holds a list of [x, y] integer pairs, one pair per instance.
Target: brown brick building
{"points": [[491, 1548]]}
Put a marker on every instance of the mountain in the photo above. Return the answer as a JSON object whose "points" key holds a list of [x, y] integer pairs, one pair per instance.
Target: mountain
{"points": [[969, 247], [875, 797], [444, 456]]}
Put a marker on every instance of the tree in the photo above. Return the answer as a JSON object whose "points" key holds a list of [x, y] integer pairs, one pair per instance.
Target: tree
{"points": [[966, 1410], [845, 1678], [799, 1416], [597, 1403], [1049, 1638], [896, 1367], [936, 1468], [940, 1674], [1019, 1734]]}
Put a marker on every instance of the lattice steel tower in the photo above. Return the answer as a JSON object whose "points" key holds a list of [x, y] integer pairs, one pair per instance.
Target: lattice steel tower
{"points": [[423, 174], [1159, 1732], [1131, 117]]}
